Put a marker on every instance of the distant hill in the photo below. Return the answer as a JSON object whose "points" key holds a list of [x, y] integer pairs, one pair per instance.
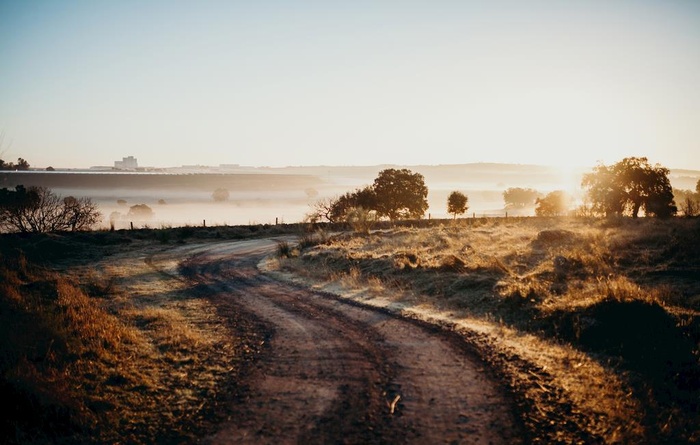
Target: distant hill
{"points": [[199, 181]]}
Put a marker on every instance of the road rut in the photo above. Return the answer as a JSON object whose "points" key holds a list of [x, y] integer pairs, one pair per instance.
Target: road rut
{"points": [[333, 372]]}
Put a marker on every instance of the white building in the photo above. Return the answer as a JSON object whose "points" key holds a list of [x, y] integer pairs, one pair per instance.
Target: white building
{"points": [[128, 163]]}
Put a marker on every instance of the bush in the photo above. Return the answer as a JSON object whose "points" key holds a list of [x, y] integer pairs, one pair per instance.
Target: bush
{"points": [[284, 250]]}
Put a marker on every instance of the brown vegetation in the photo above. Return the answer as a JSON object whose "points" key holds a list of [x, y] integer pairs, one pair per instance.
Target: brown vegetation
{"points": [[594, 322], [89, 353]]}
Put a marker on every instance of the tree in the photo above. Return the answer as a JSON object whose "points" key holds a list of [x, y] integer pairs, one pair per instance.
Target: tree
{"points": [[220, 195], [21, 165], [80, 213], [364, 198], [140, 212], [689, 206], [400, 194], [555, 203], [697, 187], [517, 197], [605, 196], [394, 194], [320, 211], [629, 186], [38, 209], [457, 203]]}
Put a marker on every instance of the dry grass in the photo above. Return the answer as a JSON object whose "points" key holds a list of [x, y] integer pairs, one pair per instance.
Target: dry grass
{"points": [[58, 347], [598, 319], [579, 317], [109, 353]]}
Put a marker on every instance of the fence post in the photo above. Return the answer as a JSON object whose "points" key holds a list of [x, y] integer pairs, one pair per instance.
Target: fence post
{"points": [[204, 222], [131, 223], [276, 220]]}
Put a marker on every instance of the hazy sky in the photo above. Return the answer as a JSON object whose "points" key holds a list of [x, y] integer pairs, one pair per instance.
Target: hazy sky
{"points": [[279, 83]]}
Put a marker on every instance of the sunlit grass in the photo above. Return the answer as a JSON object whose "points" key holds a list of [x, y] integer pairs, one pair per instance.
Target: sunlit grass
{"points": [[544, 291], [94, 354]]}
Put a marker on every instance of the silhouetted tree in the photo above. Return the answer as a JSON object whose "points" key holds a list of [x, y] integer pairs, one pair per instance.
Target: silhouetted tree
{"points": [[629, 186], [457, 203], [394, 194], [21, 165], [320, 211], [606, 197], [400, 194], [364, 198], [80, 213], [38, 209], [555, 203], [517, 197], [688, 204]]}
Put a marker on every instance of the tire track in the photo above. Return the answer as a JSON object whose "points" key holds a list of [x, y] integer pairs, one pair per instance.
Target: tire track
{"points": [[341, 373]]}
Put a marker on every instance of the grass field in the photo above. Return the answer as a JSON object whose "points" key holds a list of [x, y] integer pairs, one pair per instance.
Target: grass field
{"points": [[95, 347], [592, 324]]}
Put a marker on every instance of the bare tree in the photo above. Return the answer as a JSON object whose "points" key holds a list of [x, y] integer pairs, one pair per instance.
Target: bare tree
{"points": [[38, 209], [321, 210], [689, 206], [80, 213]]}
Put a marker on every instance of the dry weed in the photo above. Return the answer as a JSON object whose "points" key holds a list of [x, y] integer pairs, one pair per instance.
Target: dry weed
{"points": [[544, 289]]}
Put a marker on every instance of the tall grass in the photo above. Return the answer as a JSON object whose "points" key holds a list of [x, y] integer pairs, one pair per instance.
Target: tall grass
{"points": [[51, 335], [622, 293]]}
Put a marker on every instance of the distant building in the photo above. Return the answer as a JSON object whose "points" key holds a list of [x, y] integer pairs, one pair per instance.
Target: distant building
{"points": [[128, 163]]}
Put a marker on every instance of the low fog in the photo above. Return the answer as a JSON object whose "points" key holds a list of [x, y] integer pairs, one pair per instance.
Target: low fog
{"points": [[287, 195]]}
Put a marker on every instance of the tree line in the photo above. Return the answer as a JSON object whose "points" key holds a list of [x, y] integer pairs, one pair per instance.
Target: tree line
{"points": [[21, 165], [629, 187]]}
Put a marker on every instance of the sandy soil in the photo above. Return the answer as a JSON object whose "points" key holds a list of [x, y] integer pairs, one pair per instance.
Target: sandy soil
{"points": [[330, 371]]}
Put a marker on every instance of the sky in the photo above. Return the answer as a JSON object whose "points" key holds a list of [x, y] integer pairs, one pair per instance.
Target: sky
{"points": [[289, 83]]}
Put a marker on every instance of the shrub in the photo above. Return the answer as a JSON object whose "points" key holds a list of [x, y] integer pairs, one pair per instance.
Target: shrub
{"points": [[284, 250]]}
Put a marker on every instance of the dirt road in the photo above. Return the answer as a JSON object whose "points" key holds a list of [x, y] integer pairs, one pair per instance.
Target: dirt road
{"points": [[332, 372]]}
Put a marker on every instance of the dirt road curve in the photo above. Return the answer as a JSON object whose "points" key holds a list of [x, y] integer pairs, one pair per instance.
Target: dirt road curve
{"points": [[333, 372]]}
